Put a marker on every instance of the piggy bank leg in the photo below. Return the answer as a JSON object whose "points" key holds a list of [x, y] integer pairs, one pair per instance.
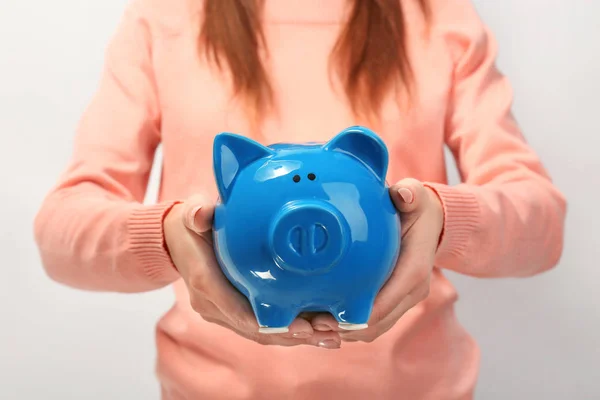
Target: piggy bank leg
{"points": [[353, 315], [273, 318]]}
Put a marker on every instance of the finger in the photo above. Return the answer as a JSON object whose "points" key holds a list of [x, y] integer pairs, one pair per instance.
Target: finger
{"points": [[375, 331], [408, 195], [300, 329], [198, 214], [407, 303], [212, 314], [209, 282], [232, 306], [325, 322], [412, 269], [207, 310], [283, 339], [326, 340]]}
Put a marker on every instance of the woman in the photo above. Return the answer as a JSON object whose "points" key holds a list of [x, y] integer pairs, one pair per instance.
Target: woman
{"points": [[421, 73]]}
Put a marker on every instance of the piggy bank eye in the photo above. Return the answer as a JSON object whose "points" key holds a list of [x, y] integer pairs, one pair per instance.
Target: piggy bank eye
{"points": [[312, 176], [296, 178]]}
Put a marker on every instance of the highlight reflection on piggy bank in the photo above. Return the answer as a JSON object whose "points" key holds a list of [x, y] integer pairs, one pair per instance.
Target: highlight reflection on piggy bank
{"points": [[306, 227]]}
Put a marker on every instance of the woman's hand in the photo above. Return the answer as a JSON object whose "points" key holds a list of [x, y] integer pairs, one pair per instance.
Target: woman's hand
{"points": [[188, 235], [422, 217]]}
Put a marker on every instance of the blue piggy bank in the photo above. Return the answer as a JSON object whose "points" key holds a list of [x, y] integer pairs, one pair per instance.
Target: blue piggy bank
{"points": [[305, 227]]}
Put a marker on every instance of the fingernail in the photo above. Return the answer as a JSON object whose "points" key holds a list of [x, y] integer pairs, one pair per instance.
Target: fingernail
{"points": [[322, 327], [406, 195], [329, 344], [192, 218], [302, 335]]}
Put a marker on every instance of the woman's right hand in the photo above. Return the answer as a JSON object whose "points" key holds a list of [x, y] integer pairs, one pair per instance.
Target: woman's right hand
{"points": [[188, 235]]}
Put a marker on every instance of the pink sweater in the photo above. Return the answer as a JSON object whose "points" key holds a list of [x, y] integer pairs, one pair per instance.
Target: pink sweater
{"points": [[505, 218]]}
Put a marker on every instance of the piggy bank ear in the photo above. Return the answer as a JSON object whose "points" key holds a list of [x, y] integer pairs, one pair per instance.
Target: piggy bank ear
{"points": [[363, 144], [231, 153]]}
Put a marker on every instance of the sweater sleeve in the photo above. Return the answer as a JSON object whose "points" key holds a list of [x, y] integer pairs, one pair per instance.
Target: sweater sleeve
{"points": [[92, 230], [505, 218]]}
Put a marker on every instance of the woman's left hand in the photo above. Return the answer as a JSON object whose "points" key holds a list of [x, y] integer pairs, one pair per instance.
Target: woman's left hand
{"points": [[422, 218]]}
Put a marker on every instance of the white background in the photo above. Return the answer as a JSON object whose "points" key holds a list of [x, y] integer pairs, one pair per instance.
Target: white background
{"points": [[540, 337]]}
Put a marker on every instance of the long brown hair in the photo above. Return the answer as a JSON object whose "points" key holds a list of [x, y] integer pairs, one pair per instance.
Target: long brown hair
{"points": [[369, 56]]}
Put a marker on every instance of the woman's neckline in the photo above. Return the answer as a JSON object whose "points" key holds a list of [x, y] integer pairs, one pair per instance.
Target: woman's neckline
{"points": [[305, 11]]}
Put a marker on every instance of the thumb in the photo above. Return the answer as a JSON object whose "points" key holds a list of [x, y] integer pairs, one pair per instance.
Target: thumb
{"points": [[198, 213], [409, 196]]}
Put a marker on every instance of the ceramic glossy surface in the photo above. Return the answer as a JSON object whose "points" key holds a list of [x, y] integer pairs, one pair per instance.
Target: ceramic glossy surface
{"points": [[306, 227]]}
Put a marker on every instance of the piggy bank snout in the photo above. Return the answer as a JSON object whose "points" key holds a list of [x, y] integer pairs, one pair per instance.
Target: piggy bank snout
{"points": [[308, 237]]}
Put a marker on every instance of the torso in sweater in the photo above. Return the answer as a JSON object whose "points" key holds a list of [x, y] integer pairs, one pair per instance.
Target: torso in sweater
{"points": [[427, 353]]}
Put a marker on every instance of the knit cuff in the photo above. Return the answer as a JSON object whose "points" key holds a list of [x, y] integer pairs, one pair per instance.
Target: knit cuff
{"points": [[461, 219], [147, 242]]}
